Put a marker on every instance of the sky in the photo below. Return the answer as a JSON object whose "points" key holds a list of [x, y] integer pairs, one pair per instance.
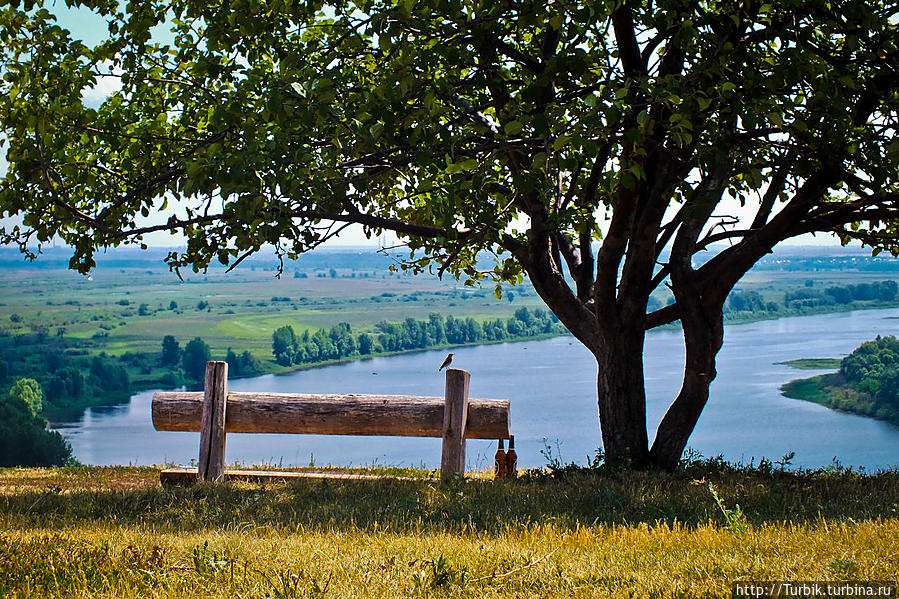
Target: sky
{"points": [[90, 28]]}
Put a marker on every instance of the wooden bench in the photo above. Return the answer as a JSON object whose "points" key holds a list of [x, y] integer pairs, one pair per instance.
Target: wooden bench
{"points": [[215, 412]]}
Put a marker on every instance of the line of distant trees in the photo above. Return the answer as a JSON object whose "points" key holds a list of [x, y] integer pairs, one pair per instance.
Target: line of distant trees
{"points": [[69, 376], [340, 341], [811, 298], [191, 360]]}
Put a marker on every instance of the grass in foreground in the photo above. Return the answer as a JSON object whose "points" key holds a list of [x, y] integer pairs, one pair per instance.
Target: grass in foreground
{"points": [[115, 532]]}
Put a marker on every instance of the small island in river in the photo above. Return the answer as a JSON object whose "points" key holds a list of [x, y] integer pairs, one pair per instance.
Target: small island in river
{"points": [[867, 382]]}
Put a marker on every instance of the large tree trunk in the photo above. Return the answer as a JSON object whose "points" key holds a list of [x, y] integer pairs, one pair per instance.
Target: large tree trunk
{"points": [[622, 398], [703, 336]]}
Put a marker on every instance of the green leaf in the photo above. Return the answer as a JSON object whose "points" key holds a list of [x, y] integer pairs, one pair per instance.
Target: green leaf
{"points": [[513, 128], [628, 180]]}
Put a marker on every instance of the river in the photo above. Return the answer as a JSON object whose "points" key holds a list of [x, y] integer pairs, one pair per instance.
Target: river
{"points": [[552, 388]]}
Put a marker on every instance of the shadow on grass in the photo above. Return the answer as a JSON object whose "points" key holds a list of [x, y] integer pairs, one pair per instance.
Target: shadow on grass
{"points": [[566, 497]]}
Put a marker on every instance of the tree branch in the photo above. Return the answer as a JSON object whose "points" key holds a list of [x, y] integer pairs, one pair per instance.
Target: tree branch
{"points": [[626, 39]]}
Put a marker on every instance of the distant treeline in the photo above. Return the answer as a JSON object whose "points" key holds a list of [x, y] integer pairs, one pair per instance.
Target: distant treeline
{"points": [[810, 298], [867, 382], [189, 364], [71, 379], [340, 342], [69, 376]]}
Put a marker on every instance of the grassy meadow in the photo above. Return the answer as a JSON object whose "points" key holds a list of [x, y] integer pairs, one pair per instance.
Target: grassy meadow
{"points": [[115, 532]]}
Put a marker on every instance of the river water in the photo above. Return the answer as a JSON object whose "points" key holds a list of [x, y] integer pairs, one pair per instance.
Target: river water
{"points": [[552, 388]]}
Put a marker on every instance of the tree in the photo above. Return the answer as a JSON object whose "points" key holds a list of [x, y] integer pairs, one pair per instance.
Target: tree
{"points": [[24, 438], [245, 364], [249, 364], [366, 344], [233, 363], [108, 375], [595, 147], [284, 345], [28, 391], [171, 351], [194, 357]]}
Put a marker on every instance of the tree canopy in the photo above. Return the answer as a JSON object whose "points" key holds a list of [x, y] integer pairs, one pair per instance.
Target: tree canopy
{"points": [[28, 391], [194, 357], [597, 148], [171, 351], [24, 438], [873, 368]]}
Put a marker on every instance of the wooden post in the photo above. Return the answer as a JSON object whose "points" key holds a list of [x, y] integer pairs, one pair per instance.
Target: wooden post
{"points": [[455, 416], [212, 425]]}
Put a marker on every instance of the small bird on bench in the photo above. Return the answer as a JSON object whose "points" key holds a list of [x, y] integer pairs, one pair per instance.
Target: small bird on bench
{"points": [[447, 362]]}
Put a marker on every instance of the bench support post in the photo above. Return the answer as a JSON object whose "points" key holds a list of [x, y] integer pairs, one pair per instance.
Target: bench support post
{"points": [[455, 416], [212, 427]]}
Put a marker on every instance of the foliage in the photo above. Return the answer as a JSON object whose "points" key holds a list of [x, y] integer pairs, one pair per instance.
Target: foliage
{"points": [[807, 299], [108, 374], [245, 364], [872, 363], [873, 370], [735, 518], [867, 382], [171, 351], [28, 391], [67, 376], [598, 141], [339, 342], [194, 357], [746, 301], [24, 438], [523, 118], [284, 345]]}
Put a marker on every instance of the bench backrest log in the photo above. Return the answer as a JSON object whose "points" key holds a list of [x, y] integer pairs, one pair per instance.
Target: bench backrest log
{"points": [[215, 411]]}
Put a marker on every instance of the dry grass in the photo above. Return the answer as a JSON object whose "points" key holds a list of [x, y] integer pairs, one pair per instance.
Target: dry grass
{"points": [[113, 532]]}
